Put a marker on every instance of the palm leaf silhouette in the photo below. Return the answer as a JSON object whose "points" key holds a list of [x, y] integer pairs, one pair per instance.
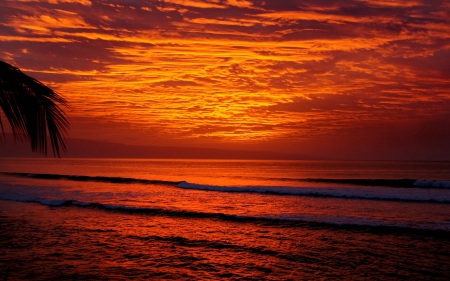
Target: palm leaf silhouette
{"points": [[31, 109]]}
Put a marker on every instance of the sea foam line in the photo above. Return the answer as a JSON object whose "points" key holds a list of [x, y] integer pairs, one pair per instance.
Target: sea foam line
{"points": [[386, 182], [288, 221], [389, 194], [431, 195], [402, 183]]}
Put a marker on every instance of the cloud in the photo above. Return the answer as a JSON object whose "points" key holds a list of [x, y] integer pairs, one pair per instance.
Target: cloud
{"points": [[320, 103], [175, 83], [195, 3], [233, 70], [82, 2]]}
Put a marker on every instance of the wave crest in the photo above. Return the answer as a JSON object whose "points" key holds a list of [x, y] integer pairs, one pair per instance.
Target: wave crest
{"points": [[406, 190], [285, 221]]}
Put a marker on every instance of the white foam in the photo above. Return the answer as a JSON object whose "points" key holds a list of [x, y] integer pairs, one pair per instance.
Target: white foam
{"points": [[378, 193]]}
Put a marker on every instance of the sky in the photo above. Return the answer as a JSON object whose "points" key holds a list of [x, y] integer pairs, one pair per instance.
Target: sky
{"points": [[344, 79]]}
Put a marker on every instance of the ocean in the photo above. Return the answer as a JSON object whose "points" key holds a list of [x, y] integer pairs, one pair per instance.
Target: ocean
{"points": [[142, 219]]}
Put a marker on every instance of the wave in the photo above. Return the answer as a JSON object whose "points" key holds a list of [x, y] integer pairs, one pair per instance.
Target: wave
{"points": [[412, 183], [345, 193], [91, 178], [426, 191], [402, 183], [284, 221]]}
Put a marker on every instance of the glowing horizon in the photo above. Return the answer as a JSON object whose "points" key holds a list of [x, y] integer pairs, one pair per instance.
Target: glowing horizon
{"points": [[275, 74]]}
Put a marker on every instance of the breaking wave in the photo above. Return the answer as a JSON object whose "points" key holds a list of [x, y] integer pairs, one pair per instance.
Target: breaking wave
{"points": [[403, 183], [91, 178], [406, 190], [406, 183], [287, 221], [391, 194]]}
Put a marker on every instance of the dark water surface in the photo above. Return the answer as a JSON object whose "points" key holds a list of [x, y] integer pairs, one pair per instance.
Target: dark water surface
{"points": [[67, 243], [99, 219]]}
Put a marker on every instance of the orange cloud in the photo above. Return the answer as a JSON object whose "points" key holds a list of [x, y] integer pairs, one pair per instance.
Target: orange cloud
{"points": [[82, 2], [45, 23], [196, 3], [236, 71]]}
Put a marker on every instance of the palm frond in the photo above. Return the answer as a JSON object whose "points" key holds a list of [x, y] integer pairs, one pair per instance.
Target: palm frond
{"points": [[31, 109]]}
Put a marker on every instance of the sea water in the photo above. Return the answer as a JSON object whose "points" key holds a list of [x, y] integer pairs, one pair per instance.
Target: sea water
{"points": [[116, 219]]}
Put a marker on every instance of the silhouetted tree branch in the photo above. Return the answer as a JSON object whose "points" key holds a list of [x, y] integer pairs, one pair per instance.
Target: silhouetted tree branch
{"points": [[31, 108]]}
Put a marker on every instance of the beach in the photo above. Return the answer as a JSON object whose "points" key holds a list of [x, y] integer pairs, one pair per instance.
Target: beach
{"points": [[224, 140]]}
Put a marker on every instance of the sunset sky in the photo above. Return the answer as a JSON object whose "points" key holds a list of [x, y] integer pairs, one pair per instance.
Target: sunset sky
{"points": [[332, 78]]}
